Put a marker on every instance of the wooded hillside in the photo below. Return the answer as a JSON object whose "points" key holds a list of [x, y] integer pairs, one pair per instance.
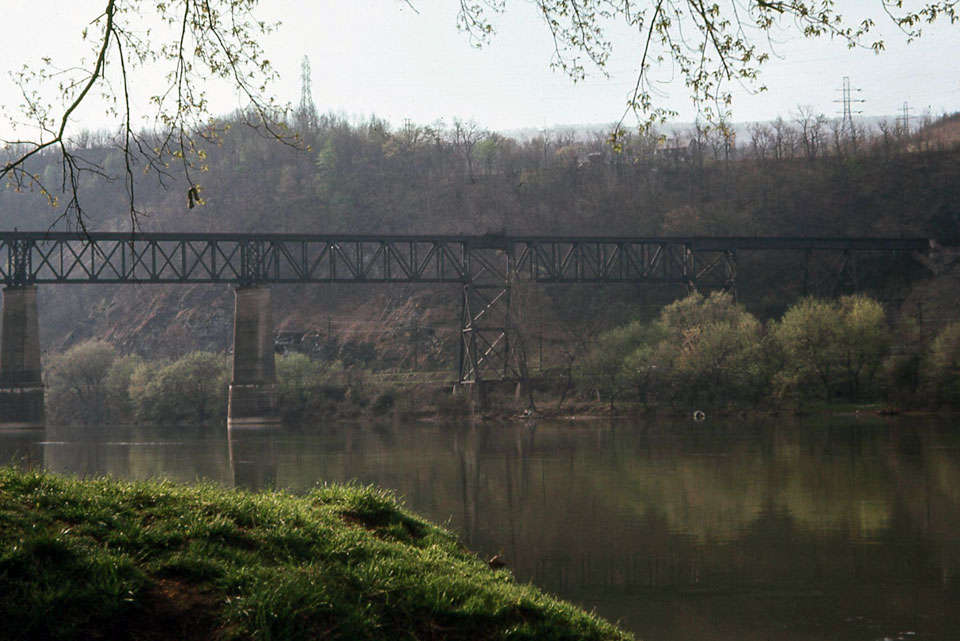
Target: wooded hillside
{"points": [[806, 176]]}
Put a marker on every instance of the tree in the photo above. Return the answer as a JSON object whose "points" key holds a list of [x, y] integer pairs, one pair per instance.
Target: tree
{"points": [[648, 368], [192, 388], [308, 387], [602, 370], [117, 385], [865, 341], [903, 369], [942, 371], [76, 381], [831, 344], [712, 45], [701, 352], [200, 40], [809, 334], [812, 127], [711, 352]]}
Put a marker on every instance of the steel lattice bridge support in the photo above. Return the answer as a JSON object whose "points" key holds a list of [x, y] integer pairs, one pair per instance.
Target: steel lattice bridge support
{"points": [[485, 266]]}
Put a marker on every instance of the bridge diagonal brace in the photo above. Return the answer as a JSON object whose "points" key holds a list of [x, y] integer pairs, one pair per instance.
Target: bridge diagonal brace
{"points": [[715, 270]]}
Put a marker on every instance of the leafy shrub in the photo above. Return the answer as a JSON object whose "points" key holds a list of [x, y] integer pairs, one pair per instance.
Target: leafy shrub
{"points": [[118, 386], [942, 371], [306, 386], [832, 348], [76, 382], [710, 352], [192, 388], [713, 349], [701, 351]]}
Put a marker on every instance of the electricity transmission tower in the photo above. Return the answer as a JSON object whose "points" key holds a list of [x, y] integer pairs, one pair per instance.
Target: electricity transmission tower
{"points": [[848, 100], [307, 113], [905, 118]]}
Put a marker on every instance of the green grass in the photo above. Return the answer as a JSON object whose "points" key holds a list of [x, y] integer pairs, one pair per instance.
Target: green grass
{"points": [[104, 559]]}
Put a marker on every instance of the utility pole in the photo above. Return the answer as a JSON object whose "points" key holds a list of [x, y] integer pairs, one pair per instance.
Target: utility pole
{"points": [[416, 344], [540, 341], [920, 323]]}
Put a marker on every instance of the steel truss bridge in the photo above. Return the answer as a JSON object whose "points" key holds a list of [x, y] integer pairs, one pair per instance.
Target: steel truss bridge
{"points": [[487, 266]]}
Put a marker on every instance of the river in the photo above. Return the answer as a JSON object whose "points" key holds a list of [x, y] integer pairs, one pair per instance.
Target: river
{"points": [[844, 528]]}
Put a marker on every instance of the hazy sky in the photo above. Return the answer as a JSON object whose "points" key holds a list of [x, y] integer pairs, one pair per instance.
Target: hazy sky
{"points": [[379, 57], [382, 57]]}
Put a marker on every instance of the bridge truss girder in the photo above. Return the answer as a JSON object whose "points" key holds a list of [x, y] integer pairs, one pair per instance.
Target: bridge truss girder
{"points": [[37, 258]]}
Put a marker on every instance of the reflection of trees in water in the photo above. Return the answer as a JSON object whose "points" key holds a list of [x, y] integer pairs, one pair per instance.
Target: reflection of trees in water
{"points": [[676, 522], [633, 509], [22, 448], [83, 451], [185, 453], [491, 457], [672, 522]]}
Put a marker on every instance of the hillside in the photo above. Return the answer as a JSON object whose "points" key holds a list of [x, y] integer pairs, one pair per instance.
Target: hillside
{"points": [[795, 178]]}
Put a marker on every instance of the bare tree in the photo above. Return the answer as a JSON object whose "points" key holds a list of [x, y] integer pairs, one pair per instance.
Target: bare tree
{"points": [[760, 140], [465, 136], [784, 139], [811, 130], [207, 39]]}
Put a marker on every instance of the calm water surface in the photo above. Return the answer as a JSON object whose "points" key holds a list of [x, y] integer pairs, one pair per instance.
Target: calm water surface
{"points": [[846, 529]]}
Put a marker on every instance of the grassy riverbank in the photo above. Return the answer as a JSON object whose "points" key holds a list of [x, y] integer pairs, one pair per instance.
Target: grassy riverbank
{"points": [[103, 559]]}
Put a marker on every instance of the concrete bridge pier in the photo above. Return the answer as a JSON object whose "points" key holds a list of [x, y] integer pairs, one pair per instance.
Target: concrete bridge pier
{"points": [[253, 387], [21, 385]]}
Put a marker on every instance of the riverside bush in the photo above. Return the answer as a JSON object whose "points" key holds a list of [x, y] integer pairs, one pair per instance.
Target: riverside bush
{"points": [[833, 349], [190, 389], [709, 352], [942, 370], [77, 382], [701, 351], [306, 386]]}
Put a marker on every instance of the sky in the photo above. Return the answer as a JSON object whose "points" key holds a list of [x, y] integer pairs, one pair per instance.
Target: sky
{"points": [[384, 58]]}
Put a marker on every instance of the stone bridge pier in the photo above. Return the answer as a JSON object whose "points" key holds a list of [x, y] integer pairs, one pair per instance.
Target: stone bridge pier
{"points": [[21, 385], [253, 386]]}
